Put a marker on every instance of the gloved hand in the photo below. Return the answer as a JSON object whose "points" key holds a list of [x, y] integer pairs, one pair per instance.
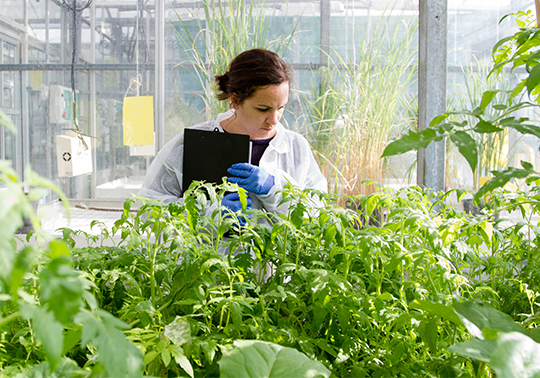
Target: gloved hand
{"points": [[251, 178], [232, 202]]}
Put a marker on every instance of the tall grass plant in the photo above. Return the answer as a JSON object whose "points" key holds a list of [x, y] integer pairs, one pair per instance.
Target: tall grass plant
{"points": [[359, 106], [229, 27]]}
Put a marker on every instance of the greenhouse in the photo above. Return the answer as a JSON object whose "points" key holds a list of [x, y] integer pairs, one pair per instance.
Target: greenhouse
{"points": [[330, 188]]}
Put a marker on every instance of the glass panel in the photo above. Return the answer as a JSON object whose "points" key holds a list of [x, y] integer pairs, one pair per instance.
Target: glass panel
{"points": [[12, 10], [362, 34], [474, 28], [8, 82]]}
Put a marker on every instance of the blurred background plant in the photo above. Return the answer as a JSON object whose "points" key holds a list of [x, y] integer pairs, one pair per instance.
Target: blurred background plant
{"points": [[494, 149], [228, 28], [359, 105]]}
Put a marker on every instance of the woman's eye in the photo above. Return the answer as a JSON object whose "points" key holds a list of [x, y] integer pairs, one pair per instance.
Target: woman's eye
{"points": [[263, 109]]}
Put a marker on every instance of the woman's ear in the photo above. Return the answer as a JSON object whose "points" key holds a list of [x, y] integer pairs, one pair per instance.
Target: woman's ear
{"points": [[234, 101]]}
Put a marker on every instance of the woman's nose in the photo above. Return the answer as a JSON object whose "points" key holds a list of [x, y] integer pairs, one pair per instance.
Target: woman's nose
{"points": [[273, 118]]}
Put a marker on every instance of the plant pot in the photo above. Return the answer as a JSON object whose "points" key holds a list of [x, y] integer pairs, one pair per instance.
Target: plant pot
{"points": [[375, 219], [475, 210], [470, 207], [27, 223]]}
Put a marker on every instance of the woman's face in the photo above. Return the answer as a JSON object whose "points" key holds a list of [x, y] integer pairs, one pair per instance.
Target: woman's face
{"points": [[258, 115]]}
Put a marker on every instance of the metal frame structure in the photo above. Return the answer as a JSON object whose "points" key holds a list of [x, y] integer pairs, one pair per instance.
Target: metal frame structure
{"points": [[432, 67]]}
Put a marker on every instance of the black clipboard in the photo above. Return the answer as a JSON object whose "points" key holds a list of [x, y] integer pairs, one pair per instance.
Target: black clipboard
{"points": [[208, 155]]}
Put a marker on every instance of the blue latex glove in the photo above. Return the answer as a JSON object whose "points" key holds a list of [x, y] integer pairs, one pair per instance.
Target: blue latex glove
{"points": [[251, 178], [232, 202]]}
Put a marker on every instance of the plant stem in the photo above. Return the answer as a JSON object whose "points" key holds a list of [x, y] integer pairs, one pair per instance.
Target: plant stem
{"points": [[152, 271], [8, 319]]}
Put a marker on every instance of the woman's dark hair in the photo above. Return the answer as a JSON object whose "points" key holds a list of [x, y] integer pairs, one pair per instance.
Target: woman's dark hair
{"points": [[250, 71]]}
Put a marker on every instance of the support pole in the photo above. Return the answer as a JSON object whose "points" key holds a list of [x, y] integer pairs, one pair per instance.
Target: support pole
{"points": [[432, 66], [325, 32], [159, 99]]}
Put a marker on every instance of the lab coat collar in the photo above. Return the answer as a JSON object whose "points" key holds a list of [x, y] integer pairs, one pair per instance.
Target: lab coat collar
{"points": [[279, 143]]}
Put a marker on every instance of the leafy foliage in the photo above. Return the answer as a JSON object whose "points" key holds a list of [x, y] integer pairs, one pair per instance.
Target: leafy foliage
{"points": [[268, 360], [47, 308], [519, 50], [170, 290]]}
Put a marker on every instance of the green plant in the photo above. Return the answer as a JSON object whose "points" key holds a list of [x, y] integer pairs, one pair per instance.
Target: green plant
{"points": [[493, 148], [509, 349], [229, 28], [359, 299], [46, 306], [358, 104], [520, 49]]}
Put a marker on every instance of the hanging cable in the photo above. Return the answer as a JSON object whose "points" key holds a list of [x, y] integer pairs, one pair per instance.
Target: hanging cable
{"points": [[137, 49], [135, 83], [74, 11]]}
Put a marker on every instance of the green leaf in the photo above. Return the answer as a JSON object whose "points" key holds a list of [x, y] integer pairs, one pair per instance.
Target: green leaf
{"points": [[222, 265], [487, 97], [432, 334], [58, 248], [237, 313], [182, 360], [411, 141], [478, 349], [253, 359], [534, 79], [396, 260], [178, 331], [519, 125], [23, 262], [61, 287], [71, 338], [438, 309], [501, 178], [297, 215], [243, 194], [485, 127], [477, 316], [48, 330], [166, 357], [120, 357], [437, 120], [516, 356], [467, 147]]}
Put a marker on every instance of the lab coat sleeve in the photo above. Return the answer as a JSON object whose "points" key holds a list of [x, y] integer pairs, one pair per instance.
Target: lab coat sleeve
{"points": [[164, 176]]}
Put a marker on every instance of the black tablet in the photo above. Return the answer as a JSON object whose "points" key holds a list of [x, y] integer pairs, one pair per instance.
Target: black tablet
{"points": [[208, 154]]}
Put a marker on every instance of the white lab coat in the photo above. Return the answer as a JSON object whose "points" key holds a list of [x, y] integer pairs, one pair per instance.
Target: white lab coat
{"points": [[288, 158]]}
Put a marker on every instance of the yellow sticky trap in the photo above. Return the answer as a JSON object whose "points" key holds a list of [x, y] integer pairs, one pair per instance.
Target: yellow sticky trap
{"points": [[483, 180], [36, 78], [138, 121]]}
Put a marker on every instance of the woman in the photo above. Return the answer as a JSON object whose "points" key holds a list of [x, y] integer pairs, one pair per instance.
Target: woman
{"points": [[257, 86]]}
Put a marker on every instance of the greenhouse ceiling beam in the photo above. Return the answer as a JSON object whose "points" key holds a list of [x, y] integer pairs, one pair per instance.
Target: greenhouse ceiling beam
{"points": [[151, 66], [432, 68], [182, 67], [77, 67]]}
